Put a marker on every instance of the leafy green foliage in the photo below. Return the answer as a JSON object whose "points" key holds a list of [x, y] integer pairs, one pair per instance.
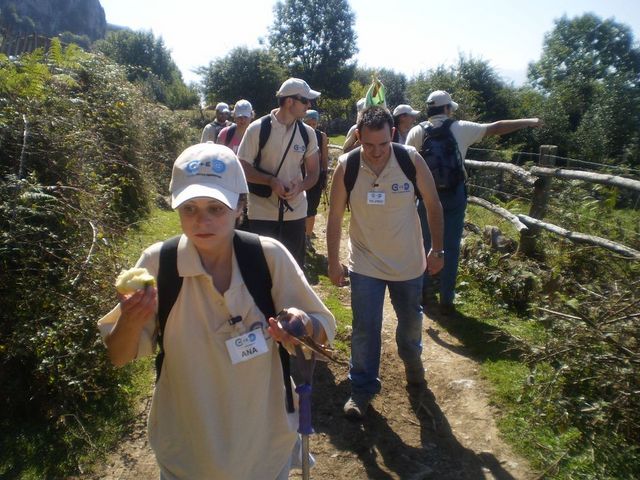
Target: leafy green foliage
{"points": [[234, 77], [315, 39], [83, 154], [149, 62]]}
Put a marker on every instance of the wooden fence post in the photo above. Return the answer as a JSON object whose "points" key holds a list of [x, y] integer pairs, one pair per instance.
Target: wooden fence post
{"points": [[539, 201]]}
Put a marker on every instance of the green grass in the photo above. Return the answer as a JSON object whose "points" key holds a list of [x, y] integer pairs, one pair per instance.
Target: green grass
{"points": [[159, 226], [337, 139]]}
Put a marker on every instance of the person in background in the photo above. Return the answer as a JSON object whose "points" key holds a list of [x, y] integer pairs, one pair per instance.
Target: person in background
{"points": [[352, 141], [218, 408], [232, 135], [282, 212], [404, 117], [440, 108], [314, 193], [211, 130]]}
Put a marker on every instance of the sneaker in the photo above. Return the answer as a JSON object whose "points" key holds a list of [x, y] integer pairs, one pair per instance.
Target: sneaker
{"points": [[356, 407]]}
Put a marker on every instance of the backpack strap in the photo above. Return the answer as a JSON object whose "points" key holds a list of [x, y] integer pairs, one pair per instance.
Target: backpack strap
{"points": [[257, 278], [169, 285], [230, 133], [303, 133], [265, 131], [351, 171], [406, 165]]}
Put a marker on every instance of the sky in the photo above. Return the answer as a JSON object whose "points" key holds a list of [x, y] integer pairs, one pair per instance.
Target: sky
{"points": [[408, 36]]}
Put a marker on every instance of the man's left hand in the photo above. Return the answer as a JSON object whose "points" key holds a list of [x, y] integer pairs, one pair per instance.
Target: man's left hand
{"points": [[434, 263]]}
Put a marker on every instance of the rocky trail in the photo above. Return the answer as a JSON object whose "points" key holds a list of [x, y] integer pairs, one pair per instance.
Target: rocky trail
{"points": [[446, 430]]}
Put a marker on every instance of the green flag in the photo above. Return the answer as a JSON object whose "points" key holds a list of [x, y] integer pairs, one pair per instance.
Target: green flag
{"points": [[376, 94]]}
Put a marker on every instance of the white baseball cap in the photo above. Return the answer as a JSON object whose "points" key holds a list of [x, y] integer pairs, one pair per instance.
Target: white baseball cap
{"points": [[296, 86], [405, 109], [440, 98], [207, 170], [243, 108], [222, 107]]}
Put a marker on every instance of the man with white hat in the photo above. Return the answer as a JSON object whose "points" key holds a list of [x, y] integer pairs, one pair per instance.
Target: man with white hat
{"points": [[440, 109], [272, 152], [211, 130]]}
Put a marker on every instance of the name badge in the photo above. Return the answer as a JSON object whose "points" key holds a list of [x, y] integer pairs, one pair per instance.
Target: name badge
{"points": [[247, 346], [375, 198]]}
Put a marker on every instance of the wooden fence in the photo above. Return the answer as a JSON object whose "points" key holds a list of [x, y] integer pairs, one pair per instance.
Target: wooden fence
{"points": [[23, 43], [539, 179]]}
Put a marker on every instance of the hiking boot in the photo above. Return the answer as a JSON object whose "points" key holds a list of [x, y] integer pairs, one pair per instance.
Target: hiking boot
{"points": [[356, 407]]}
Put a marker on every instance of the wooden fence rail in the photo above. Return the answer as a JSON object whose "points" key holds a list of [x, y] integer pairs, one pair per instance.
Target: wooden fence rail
{"points": [[539, 179], [529, 226]]}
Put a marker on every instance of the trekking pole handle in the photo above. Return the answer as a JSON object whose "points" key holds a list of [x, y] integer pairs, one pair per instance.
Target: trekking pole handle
{"points": [[304, 409]]}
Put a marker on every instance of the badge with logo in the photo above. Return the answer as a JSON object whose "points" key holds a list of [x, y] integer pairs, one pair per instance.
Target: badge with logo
{"points": [[400, 187], [247, 346], [375, 198]]}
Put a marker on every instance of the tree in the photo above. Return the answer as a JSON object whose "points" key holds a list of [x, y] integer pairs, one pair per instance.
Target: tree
{"points": [[252, 74], [149, 63], [315, 39], [590, 70]]}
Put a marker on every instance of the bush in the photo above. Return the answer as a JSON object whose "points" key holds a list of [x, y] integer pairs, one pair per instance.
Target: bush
{"points": [[94, 156]]}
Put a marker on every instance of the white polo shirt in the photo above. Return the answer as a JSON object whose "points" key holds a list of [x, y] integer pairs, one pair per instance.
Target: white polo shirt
{"points": [[210, 418], [465, 133], [261, 208]]}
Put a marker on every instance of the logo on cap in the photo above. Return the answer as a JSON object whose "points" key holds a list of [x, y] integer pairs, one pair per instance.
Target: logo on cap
{"points": [[218, 166]]}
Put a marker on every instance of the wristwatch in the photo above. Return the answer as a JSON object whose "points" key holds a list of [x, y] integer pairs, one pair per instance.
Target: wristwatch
{"points": [[437, 253]]}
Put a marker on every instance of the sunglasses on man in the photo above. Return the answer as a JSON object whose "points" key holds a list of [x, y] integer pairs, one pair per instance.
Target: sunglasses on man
{"points": [[302, 100]]}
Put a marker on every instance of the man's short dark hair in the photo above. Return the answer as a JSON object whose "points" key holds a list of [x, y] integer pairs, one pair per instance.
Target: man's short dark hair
{"points": [[431, 111], [375, 118]]}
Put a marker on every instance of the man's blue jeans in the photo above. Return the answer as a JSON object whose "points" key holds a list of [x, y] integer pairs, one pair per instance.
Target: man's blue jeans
{"points": [[367, 300], [454, 204]]}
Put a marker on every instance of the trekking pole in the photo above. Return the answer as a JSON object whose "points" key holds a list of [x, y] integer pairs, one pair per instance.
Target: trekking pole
{"points": [[305, 367]]}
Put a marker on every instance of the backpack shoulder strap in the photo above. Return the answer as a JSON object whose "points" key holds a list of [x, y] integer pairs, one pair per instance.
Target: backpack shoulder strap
{"points": [[406, 165], [257, 277], [303, 133], [169, 285], [318, 138], [351, 170], [265, 131], [230, 133], [254, 270]]}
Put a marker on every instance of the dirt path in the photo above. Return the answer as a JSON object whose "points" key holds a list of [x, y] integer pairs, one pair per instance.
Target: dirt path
{"points": [[444, 431]]}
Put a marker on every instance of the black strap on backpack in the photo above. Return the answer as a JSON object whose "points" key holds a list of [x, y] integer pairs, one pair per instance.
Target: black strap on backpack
{"points": [[402, 156], [257, 278], [230, 133], [265, 131]]}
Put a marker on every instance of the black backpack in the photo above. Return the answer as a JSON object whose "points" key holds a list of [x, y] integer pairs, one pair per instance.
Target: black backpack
{"points": [[440, 151], [265, 131], [256, 276], [353, 167]]}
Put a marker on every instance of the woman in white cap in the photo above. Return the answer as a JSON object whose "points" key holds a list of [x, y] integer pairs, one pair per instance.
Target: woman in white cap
{"points": [[218, 407], [404, 118], [232, 135]]}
